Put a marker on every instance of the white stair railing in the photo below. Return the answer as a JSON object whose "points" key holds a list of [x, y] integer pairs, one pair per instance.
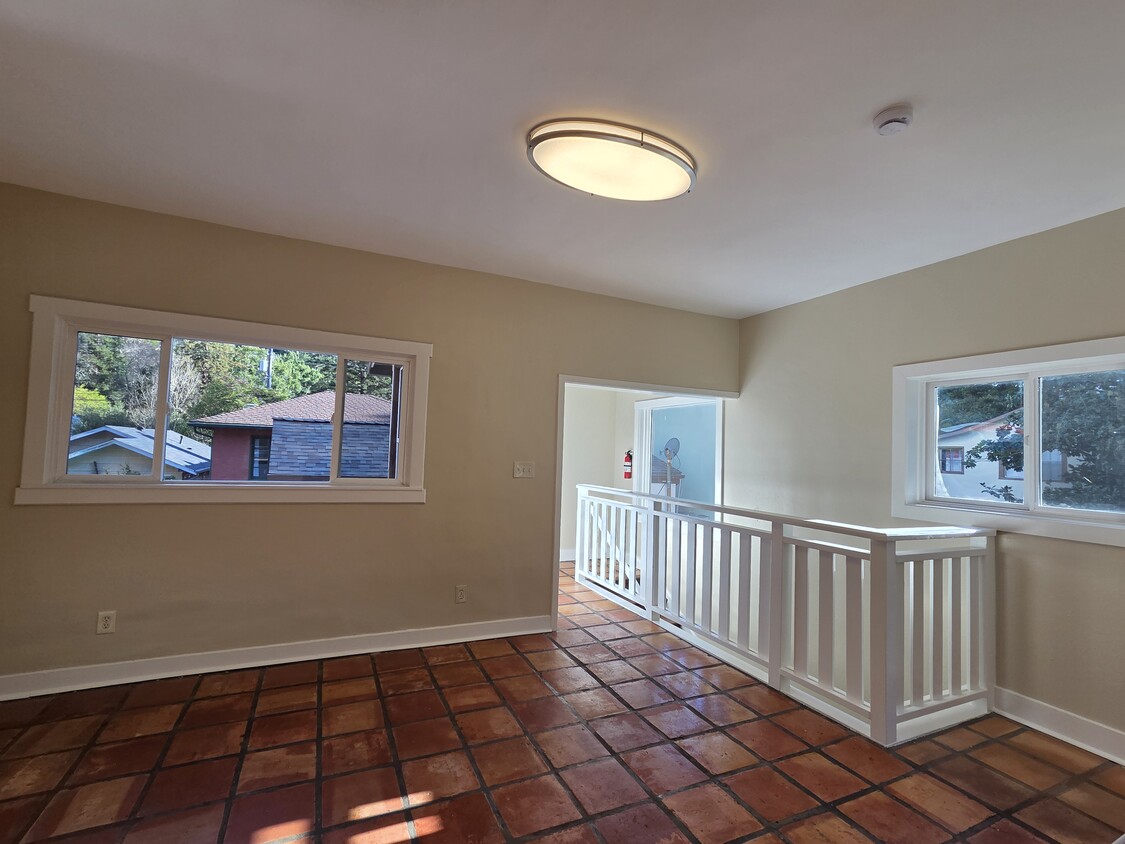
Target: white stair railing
{"points": [[888, 631]]}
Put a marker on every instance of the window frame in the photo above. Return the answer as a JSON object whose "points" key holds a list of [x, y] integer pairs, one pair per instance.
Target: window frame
{"points": [[960, 449], [914, 422], [55, 327]]}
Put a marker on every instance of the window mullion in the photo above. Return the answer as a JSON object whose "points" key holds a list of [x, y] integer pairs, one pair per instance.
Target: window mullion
{"points": [[160, 416], [1032, 445], [338, 420]]}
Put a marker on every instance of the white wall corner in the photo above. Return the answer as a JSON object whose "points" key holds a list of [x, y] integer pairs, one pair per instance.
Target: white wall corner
{"points": [[567, 555], [1078, 730]]}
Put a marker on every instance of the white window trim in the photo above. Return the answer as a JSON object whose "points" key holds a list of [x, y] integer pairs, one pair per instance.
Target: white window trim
{"points": [[911, 448], [55, 327]]}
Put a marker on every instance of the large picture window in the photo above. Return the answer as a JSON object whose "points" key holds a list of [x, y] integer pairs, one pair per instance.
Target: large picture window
{"points": [[133, 406], [1030, 441]]}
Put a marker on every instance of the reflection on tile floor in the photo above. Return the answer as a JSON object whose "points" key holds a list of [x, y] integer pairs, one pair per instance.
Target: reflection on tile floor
{"points": [[609, 730]]}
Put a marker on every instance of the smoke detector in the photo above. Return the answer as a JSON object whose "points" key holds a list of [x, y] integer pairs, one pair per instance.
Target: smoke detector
{"points": [[891, 121]]}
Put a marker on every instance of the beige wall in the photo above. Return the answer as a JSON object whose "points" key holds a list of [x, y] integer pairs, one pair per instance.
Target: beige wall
{"points": [[255, 574], [589, 415], [811, 433]]}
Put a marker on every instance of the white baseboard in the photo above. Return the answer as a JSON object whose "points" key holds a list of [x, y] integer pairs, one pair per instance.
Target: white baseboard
{"points": [[132, 671], [567, 555], [1089, 735]]}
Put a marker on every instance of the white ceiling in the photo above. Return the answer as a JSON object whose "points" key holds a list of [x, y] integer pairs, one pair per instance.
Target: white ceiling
{"points": [[398, 127]]}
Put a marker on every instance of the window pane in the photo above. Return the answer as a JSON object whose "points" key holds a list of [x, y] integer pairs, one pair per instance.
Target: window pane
{"points": [[114, 410], [1082, 418], [980, 442], [238, 413], [369, 442]]}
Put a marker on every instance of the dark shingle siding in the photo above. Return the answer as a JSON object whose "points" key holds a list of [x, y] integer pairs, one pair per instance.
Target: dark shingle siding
{"points": [[303, 450]]}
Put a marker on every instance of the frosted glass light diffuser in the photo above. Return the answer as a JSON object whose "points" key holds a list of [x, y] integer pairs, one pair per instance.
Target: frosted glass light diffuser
{"points": [[608, 159]]}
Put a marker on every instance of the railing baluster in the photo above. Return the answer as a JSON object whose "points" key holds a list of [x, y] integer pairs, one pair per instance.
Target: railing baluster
{"points": [[918, 631], [956, 623], [853, 614], [707, 583], [801, 611], [687, 608], [827, 622], [674, 555], [724, 582], [937, 638], [745, 573], [974, 623]]}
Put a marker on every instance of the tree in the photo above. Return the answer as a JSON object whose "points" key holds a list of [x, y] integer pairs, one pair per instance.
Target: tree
{"points": [[978, 402]]}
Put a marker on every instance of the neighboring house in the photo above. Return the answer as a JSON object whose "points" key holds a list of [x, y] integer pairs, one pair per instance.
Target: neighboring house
{"points": [[291, 440], [956, 480], [121, 450]]}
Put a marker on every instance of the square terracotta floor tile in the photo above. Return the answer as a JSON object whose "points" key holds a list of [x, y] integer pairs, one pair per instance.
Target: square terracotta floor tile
{"points": [[587, 654], [72, 704], [607, 632], [632, 647], [822, 776], [642, 628], [614, 671], [534, 805], [939, 802], [286, 699], [694, 658], [1064, 824], [721, 710], [1058, 753], [570, 745], [398, 660], [21, 777], [1107, 807], [985, 784], [414, 706], [512, 665], [354, 751], [365, 794], [203, 743], [655, 665], [575, 679], [347, 668], [589, 620], [406, 680], [644, 824], [284, 765], [217, 710], [867, 759], [485, 725], [809, 726], [387, 829], [769, 794], [994, 726], [824, 829], [664, 642], [547, 660], [442, 654], [1006, 832], [509, 760], [532, 642], [595, 703], [625, 732], [490, 648], [17, 815], [438, 777], [574, 835], [1112, 778], [959, 738], [55, 736], [191, 826], [160, 692], [603, 785], [543, 713], [458, 821], [711, 814], [351, 717], [466, 698], [229, 683], [922, 752], [640, 694], [675, 720], [107, 761], [20, 713], [290, 674], [286, 728], [1020, 766], [767, 740], [686, 684], [663, 768], [135, 723], [272, 816], [189, 785], [88, 806], [522, 688], [348, 691], [572, 638], [457, 674], [891, 822], [425, 737], [717, 753], [723, 677], [762, 699]]}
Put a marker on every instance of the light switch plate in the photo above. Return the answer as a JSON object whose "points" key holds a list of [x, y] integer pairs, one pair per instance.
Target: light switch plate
{"points": [[523, 469]]}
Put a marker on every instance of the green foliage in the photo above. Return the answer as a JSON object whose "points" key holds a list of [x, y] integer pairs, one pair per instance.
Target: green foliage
{"points": [[978, 402]]}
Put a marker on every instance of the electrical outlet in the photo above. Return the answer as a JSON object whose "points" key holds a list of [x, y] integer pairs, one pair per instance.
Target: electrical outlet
{"points": [[107, 622], [460, 594], [523, 469]]}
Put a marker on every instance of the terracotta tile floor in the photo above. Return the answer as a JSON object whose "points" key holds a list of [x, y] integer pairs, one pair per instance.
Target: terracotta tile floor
{"points": [[608, 731]]}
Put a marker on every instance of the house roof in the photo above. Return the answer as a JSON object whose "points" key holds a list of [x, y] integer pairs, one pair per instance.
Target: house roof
{"points": [[316, 407], [975, 426], [181, 452]]}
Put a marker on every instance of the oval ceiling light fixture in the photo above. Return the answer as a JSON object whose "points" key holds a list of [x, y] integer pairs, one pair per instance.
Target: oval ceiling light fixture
{"points": [[610, 159]]}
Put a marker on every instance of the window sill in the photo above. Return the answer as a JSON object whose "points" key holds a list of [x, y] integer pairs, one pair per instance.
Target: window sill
{"points": [[258, 493], [1068, 526]]}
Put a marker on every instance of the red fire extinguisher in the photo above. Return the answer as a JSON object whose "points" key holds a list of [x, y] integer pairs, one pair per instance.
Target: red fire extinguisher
{"points": [[628, 464]]}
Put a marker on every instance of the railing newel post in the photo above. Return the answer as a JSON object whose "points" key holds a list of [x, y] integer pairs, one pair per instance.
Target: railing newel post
{"points": [[987, 609], [886, 641]]}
